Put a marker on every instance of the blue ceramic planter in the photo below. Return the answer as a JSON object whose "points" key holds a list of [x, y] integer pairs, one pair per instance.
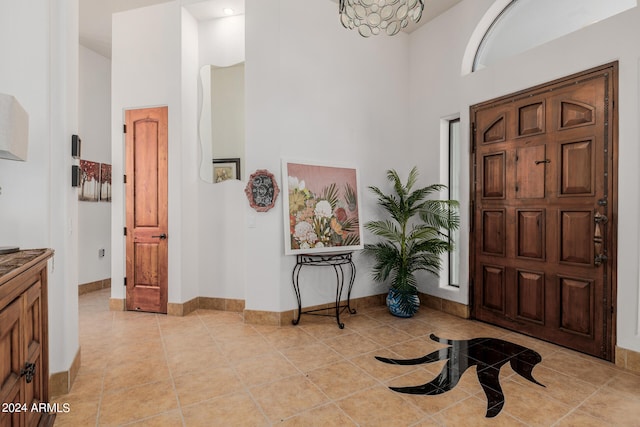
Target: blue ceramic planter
{"points": [[395, 308]]}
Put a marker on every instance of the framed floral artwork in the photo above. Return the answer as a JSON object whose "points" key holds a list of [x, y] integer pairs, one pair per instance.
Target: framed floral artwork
{"points": [[321, 211]]}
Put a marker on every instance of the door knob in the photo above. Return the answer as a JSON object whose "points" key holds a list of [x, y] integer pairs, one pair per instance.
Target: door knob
{"points": [[163, 236], [600, 219], [599, 259]]}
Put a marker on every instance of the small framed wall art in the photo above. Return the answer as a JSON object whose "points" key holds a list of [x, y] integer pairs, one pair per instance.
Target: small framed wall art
{"points": [[262, 190], [226, 169]]}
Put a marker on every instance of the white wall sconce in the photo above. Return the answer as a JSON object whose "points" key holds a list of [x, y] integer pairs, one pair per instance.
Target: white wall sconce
{"points": [[14, 129]]}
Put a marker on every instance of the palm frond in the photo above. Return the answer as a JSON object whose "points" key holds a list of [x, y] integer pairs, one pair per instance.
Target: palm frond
{"points": [[385, 229], [393, 177], [350, 197], [441, 214], [386, 258], [390, 203], [350, 225], [405, 284], [330, 194], [351, 239]]}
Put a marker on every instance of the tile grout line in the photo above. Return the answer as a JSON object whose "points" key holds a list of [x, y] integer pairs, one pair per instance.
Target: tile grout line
{"points": [[173, 382], [235, 372], [104, 375]]}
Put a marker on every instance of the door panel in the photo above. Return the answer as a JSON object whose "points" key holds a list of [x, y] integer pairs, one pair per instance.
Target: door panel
{"points": [[147, 220], [493, 237], [531, 119], [544, 228], [531, 234], [577, 173], [531, 296], [530, 172], [10, 342], [33, 344], [494, 176], [575, 236], [577, 305]]}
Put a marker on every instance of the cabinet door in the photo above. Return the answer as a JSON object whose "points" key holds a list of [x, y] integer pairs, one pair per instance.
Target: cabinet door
{"points": [[10, 363], [32, 335]]}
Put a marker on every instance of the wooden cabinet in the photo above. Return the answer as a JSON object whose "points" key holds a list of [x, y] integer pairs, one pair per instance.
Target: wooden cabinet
{"points": [[24, 354]]}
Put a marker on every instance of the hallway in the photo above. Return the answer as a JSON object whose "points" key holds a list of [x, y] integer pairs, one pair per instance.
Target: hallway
{"points": [[209, 368]]}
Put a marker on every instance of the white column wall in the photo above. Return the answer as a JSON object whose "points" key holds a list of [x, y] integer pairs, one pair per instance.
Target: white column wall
{"points": [[94, 128], [221, 224], [146, 72], [39, 47], [190, 149]]}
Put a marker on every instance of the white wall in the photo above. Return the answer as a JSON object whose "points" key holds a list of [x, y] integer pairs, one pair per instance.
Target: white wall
{"points": [[146, 72], [24, 204], [221, 41], [314, 92], [94, 127], [221, 228], [439, 89], [190, 149], [38, 206]]}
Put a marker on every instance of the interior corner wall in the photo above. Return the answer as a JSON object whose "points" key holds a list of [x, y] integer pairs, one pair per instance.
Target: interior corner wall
{"points": [[317, 92], [221, 41], [190, 149], [64, 339], [447, 92], [94, 129], [24, 46], [38, 44], [221, 225]]}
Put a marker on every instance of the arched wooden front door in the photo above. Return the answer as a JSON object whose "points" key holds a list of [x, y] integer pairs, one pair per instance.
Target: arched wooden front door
{"points": [[544, 211]]}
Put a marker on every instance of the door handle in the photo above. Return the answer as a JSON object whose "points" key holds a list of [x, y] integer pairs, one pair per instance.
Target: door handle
{"points": [[599, 257], [28, 371], [163, 236]]}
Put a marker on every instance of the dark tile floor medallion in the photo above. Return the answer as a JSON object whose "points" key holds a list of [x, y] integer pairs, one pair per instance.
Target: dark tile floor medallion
{"points": [[487, 354]]}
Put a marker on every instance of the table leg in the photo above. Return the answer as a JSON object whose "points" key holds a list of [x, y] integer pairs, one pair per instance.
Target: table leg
{"points": [[296, 288], [351, 280], [339, 286]]}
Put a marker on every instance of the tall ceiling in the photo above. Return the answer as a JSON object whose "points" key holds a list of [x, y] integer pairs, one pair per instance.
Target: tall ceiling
{"points": [[95, 16]]}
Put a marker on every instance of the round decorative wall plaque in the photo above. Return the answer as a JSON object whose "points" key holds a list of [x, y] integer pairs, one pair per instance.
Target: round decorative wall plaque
{"points": [[262, 190]]}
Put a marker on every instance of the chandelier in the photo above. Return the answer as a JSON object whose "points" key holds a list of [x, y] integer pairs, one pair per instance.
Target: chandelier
{"points": [[371, 17]]}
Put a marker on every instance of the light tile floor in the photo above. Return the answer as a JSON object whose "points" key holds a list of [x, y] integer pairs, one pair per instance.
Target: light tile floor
{"points": [[209, 369]]}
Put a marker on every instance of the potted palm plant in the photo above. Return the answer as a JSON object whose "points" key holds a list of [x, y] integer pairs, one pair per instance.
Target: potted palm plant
{"points": [[413, 238]]}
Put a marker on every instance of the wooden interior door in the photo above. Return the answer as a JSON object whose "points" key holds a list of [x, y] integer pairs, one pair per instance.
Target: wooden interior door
{"points": [[146, 209], [544, 211]]}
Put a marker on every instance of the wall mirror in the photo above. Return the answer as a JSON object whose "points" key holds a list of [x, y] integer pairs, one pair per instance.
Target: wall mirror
{"points": [[221, 127]]}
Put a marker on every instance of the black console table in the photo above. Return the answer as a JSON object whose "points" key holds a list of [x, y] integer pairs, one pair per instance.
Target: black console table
{"points": [[337, 261]]}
